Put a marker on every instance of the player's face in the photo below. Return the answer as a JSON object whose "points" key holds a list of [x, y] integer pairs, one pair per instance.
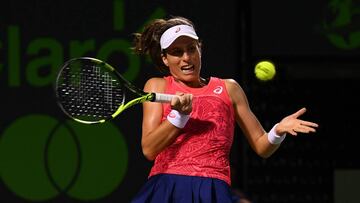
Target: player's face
{"points": [[183, 58]]}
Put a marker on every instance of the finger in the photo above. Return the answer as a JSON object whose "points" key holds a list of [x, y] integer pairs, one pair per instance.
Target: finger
{"points": [[175, 101], [293, 132], [179, 93], [185, 99], [308, 123], [305, 129], [186, 105], [189, 98], [299, 112]]}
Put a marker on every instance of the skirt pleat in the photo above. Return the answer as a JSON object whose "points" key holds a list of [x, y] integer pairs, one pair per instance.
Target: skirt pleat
{"points": [[166, 188]]}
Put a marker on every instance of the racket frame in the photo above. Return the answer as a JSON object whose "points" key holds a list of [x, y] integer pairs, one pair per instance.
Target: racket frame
{"points": [[141, 95]]}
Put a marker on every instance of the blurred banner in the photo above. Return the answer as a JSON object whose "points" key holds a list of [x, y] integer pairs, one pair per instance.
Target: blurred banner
{"points": [[306, 28], [43, 155]]}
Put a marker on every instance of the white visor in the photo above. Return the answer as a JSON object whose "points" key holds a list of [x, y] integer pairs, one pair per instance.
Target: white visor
{"points": [[171, 34]]}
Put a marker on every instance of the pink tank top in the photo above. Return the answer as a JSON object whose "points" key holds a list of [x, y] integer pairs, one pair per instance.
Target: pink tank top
{"points": [[203, 147]]}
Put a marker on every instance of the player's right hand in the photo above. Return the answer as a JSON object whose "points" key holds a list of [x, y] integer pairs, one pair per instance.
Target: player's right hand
{"points": [[182, 103]]}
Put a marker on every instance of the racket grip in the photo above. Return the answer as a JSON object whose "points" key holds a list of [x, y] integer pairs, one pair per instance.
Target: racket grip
{"points": [[163, 98]]}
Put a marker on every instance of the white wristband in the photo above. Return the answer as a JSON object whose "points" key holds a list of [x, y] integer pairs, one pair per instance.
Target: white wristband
{"points": [[178, 119], [275, 138]]}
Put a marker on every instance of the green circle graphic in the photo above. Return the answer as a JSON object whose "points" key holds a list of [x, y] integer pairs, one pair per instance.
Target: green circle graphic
{"points": [[41, 157], [21, 158], [104, 160]]}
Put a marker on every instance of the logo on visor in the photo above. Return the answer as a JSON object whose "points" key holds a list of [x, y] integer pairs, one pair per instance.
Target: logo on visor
{"points": [[177, 30], [172, 115]]}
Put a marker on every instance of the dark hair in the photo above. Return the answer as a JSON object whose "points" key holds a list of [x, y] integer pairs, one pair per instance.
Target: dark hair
{"points": [[148, 42]]}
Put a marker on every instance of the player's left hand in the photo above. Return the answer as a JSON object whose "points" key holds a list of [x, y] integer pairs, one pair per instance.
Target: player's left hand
{"points": [[292, 125]]}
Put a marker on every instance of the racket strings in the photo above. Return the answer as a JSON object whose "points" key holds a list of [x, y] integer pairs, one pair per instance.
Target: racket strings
{"points": [[90, 92]]}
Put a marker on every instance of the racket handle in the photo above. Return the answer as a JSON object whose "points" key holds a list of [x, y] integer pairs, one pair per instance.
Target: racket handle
{"points": [[163, 98]]}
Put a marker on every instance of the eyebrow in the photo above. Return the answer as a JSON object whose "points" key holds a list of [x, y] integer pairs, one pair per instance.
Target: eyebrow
{"points": [[186, 45]]}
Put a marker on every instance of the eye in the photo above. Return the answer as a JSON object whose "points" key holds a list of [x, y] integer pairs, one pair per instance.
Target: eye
{"points": [[176, 52], [192, 49]]}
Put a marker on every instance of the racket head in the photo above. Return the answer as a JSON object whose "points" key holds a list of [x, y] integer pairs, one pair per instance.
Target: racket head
{"points": [[89, 90]]}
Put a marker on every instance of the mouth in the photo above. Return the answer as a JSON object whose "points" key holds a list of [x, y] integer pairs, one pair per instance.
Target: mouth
{"points": [[187, 69]]}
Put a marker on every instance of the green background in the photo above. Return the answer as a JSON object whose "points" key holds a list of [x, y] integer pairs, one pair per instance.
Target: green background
{"points": [[314, 45]]}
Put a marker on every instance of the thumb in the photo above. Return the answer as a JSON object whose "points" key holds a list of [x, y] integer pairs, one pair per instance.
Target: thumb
{"points": [[299, 112]]}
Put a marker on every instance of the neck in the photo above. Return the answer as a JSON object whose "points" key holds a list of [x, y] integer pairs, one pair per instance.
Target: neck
{"points": [[194, 84]]}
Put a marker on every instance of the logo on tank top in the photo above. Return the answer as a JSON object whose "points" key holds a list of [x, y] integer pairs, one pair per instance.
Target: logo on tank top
{"points": [[218, 90]]}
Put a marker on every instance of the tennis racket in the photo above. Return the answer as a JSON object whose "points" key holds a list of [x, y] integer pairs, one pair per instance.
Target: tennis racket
{"points": [[91, 91]]}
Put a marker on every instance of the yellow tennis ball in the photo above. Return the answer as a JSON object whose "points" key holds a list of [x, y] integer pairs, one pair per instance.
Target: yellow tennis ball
{"points": [[265, 70]]}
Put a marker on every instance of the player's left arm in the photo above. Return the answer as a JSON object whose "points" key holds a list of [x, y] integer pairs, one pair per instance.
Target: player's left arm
{"points": [[248, 122]]}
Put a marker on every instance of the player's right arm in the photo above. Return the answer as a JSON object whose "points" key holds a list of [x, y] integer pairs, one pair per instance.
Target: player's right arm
{"points": [[157, 135]]}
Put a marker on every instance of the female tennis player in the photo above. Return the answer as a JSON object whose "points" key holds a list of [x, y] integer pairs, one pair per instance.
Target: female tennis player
{"points": [[190, 138]]}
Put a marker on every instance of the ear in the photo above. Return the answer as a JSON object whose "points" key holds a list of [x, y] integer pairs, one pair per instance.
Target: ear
{"points": [[199, 47], [164, 59]]}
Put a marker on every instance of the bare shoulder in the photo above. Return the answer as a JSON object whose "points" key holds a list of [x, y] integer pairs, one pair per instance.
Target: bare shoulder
{"points": [[231, 84], [236, 93], [155, 84]]}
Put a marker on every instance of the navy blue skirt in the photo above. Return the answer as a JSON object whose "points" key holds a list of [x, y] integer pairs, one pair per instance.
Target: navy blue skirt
{"points": [[165, 188]]}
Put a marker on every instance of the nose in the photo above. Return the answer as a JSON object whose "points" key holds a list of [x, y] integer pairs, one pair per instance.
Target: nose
{"points": [[186, 56]]}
